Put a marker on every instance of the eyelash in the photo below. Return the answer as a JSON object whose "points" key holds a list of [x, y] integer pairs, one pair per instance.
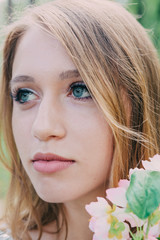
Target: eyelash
{"points": [[15, 94], [81, 85]]}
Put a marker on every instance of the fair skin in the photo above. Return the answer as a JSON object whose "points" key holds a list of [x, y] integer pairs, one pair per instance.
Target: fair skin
{"points": [[57, 115]]}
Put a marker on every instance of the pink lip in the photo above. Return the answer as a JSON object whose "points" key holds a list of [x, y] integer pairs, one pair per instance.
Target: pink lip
{"points": [[50, 163]]}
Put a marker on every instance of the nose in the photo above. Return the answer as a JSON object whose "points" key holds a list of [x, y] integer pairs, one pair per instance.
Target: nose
{"points": [[48, 122]]}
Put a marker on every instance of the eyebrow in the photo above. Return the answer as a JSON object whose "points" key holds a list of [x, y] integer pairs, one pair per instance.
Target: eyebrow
{"points": [[64, 75], [21, 78], [69, 74]]}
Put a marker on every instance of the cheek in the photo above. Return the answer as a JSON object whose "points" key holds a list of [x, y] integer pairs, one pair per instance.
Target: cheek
{"points": [[21, 126], [100, 150], [91, 129], [92, 139]]}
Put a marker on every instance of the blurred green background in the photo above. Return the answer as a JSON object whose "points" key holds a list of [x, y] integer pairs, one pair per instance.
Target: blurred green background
{"points": [[147, 13]]}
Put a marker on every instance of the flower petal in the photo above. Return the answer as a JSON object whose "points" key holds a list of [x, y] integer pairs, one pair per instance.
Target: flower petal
{"points": [[124, 183], [112, 194], [97, 209], [102, 228], [153, 165], [92, 222]]}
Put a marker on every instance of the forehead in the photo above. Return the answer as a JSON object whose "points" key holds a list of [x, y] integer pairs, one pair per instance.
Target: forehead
{"points": [[38, 50]]}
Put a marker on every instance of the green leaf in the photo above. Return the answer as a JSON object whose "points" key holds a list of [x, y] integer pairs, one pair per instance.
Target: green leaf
{"points": [[143, 193], [155, 217]]}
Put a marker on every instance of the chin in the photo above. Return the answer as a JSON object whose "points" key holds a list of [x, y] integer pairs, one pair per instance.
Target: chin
{"points": [[57, 197], [47, 197]]}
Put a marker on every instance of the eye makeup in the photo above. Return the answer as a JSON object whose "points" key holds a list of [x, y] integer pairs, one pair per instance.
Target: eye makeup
{"points": [[23, 95], [79, 91]]}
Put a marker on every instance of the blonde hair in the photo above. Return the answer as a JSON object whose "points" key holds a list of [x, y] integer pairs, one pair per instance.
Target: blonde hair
{"points": [[119, 64]]}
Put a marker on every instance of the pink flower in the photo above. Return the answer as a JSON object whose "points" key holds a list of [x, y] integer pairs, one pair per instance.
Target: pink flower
{"points": [[118, 197], [98, 209], [104, 223], [113, 222], [155, 230], [120, 191], [154, 164]]}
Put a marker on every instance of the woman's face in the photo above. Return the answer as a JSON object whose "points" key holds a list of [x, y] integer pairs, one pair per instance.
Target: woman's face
{"points": [[64, 143]]}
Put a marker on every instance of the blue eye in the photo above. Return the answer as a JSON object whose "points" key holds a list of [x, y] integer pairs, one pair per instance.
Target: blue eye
{"points": [[23, 95], [79, 90]]}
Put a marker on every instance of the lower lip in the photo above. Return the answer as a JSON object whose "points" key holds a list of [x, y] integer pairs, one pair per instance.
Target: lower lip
{"points": [[51, 166]]}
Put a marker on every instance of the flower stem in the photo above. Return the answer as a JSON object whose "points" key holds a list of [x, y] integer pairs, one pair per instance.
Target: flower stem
{"points": [[148, 227]]}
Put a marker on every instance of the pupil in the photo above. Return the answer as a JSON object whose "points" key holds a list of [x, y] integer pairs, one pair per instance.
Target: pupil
{"points": [[78, 91], [24, 96]]}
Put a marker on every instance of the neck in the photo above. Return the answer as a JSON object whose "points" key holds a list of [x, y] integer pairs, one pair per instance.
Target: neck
{"points": [[78, 218], [77, 222]]}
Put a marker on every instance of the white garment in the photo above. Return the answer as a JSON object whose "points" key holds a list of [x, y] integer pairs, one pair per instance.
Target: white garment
{"points": [[4, 236]]}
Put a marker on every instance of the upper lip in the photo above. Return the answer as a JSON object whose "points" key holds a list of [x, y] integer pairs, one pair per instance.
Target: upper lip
{"points": [[49, 157]]}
